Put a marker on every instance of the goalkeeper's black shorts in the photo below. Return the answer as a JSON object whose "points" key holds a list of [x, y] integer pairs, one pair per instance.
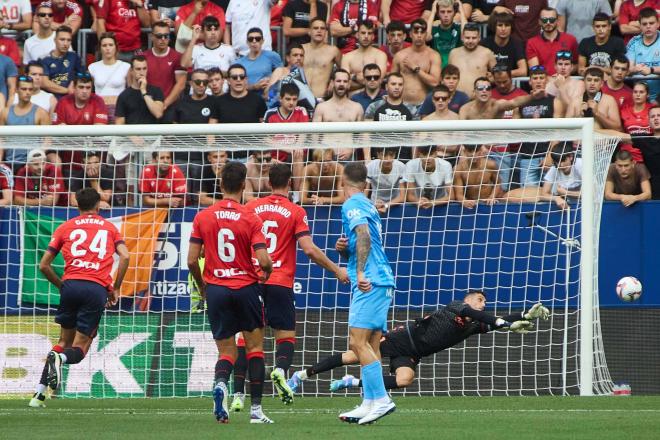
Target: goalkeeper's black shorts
{"points": [[397, 347]]}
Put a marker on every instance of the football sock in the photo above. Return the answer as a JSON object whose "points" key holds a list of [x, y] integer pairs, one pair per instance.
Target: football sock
{"points": [[372, 380], [367, 393], [223, 369], [72, 355], [284, 353], [257, 370], [326, 364], [240, 368]]}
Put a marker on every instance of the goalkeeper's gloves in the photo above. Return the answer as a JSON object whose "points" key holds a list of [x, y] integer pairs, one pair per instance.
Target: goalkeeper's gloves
{"points": [[537, 311], [521, 327]]}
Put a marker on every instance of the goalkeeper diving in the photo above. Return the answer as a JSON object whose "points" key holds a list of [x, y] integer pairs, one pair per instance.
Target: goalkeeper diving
{"points": [[406, 345]]}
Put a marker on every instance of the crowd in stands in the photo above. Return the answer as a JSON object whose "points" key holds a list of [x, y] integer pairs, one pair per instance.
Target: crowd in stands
{"points": [[209, 62]]}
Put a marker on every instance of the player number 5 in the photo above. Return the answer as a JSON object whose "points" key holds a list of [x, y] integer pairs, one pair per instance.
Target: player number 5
{"points": [[226, 250], [270, 235]]}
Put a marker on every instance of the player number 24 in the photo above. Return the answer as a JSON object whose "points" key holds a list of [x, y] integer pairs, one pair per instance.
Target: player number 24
{"points": [[98, 245]]}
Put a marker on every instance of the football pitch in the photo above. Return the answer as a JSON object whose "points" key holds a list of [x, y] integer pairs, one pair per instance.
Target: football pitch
{"points": [[508, 418]]}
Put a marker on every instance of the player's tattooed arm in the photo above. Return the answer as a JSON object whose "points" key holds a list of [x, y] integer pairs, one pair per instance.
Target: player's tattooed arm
{"points": [[362, 247]]}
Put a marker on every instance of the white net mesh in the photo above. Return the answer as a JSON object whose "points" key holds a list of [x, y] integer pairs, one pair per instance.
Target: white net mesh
{"points": [[520, 244]]}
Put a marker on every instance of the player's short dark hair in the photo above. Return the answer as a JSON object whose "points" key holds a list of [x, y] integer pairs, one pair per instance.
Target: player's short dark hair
{"points": [[623, 155], [290, 48], [289, 89], [396, 25], [561, 151], [647, 12], [355, 172], [594, 71], [254, 30], [279, 175], [450, 69], [474, 292], [210, 21], [601, 16], [140, 58], [63, 28], [620, 59], [87, 199], [371, 66], [233, 176]]}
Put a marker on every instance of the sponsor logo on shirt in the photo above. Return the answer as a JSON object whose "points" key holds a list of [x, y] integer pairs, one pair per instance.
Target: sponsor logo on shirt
{"points": [[85, 264], [226, 273]]}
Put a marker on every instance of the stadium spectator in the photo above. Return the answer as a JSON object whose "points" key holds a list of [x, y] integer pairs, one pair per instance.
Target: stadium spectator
{"points": [[243, 15], [471, 59], [355, 60], [65, 13], [6, 185], [419, 65], [507, 49], [14, 151], [650, 148], [322, 179], [346, 17], [405, 11], [210, 53], [564, 180], [395, 41], [162, 183], [575, 16], [570, 90], [83, 107], [627, 181], [16, 16], [441, 29], [239, 105], [391, 106], [211, 191], [614, 85], [140, 103], [542, 105], [165, 10], [194, 13], [257, 183], [216, 81], [340, 108], [600, 49], [8, 74], [441, 96], [42, 42], [525, 16], [428, 179], [321, 58], [293, 73], [635, 118], [629, 17], [484, 106], [61, 66], [479, 11], [40, 97], [94, 175], [164, 68], [450, 77], [297, 16], [543, 48], [125, 20], [372, 90], [476, 177], [39, 183], [595, 104], [8, 47], [109, 73], [259, 64], [643, 50], [385, 184]]}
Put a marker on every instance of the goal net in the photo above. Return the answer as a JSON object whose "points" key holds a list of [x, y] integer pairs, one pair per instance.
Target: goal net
{"points": [[453, 220]]}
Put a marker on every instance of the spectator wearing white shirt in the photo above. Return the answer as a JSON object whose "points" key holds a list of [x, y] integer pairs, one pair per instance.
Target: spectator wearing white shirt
{"points": [[17, 16], [428, 179], [212, 52], [385, 184], [243, 15], [564, 180], [42, 42], [109, 73]]}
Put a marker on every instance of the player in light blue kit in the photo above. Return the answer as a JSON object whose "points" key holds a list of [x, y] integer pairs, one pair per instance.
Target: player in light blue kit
{"points": [[372, 285]]}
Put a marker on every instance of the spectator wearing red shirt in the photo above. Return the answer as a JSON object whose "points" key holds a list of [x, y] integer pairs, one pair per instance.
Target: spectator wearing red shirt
{"points": [[9, 48], [164, 68], [64, 12], [614, 85], [345, 19], [125, 18], [163, 184], [629, 17], [6, 184], [39, 183], [543, 48], [635, 118], [194, 12]]}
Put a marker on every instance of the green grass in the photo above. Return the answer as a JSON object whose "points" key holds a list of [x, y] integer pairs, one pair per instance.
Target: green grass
{"points": [[416, 418]]}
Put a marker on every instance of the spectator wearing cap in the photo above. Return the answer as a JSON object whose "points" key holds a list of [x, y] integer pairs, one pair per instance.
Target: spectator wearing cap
{"points": [[542, 49], [600, 49], [42, 42], [39, 183], [24, 112], [259, 64], [508, 50], [62, 65], [93, 174], [65, 13], [239, 22], [206, 49], [125, 19], [575, 16]]}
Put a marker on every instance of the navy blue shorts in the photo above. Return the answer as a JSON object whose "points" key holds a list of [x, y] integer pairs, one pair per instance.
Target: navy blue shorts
{"points": [[81, 306], [234, 310], [280, 307]]}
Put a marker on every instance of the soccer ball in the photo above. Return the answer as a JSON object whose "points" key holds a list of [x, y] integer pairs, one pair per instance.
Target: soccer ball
{"points": [[629, 289]]}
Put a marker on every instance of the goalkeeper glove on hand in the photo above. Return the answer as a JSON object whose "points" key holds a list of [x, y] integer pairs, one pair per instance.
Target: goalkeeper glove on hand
{"points": [[537, 311], [521, 327]]}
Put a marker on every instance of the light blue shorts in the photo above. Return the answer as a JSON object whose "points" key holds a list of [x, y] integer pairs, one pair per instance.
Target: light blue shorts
{"points": [[369, 309]]}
